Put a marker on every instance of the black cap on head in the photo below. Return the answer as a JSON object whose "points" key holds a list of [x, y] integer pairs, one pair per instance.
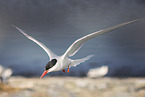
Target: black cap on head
{"points": [[50, 64]]}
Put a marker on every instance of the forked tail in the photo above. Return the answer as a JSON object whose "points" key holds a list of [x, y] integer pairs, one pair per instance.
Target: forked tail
{"points": [[78, 61]]}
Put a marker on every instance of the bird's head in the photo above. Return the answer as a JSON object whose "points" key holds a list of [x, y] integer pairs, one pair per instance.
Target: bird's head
{"points": [[48, 66]]}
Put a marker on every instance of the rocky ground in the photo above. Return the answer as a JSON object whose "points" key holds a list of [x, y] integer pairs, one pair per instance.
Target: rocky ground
{"points": [[73, 87]]}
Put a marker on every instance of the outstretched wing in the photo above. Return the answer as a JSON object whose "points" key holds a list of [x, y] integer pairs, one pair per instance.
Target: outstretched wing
{"points": [[49, 52], [78, 43]]}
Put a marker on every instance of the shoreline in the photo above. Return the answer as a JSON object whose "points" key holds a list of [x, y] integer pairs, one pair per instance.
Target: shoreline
{"points": [[75, 86]]}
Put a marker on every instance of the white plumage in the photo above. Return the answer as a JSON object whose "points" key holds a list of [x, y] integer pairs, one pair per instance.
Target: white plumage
{"points": [[64, 61], [5, 74]]}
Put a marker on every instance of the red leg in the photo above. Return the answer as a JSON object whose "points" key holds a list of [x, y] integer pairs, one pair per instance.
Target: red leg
{"points": [[68, 70]]}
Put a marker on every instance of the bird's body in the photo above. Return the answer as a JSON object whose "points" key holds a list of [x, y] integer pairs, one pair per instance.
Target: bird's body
{"points": [[64, 61]]}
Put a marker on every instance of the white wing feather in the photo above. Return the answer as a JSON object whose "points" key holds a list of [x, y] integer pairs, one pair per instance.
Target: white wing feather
{"points": [[48, 51], [77, 44]]}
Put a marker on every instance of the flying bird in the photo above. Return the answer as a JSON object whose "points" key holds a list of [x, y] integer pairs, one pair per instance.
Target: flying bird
{"points": [[64, 61]]}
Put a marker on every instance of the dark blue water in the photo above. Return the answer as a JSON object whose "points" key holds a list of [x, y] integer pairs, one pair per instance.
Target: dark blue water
{"points": [[59, 23]]}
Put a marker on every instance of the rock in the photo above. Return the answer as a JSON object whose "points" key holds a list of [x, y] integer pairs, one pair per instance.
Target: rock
{"points": [[98, 72]]}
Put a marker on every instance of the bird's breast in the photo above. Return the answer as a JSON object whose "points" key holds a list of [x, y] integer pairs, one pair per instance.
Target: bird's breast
{"points": [[63, 63]]}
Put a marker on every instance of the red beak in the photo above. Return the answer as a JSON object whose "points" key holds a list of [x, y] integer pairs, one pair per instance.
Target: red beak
{"points": [[44, 73]]}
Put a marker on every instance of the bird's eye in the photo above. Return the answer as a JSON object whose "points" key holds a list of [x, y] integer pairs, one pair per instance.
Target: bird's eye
{"points": [[50, 64]]}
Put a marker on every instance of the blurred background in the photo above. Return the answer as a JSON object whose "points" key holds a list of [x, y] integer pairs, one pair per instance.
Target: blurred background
{"points": [[58, 23]]}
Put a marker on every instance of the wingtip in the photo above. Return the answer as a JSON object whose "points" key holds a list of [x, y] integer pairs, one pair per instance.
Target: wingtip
{"points": [[19, 30], [14, 26], [138, 19]]}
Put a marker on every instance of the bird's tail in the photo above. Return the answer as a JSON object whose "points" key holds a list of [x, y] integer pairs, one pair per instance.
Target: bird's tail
{"points": [[78, 61]]}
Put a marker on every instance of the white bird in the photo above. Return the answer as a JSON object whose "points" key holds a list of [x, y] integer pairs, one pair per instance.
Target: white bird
{"points": [[5, 74], [98, 72], [58, 63]]}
